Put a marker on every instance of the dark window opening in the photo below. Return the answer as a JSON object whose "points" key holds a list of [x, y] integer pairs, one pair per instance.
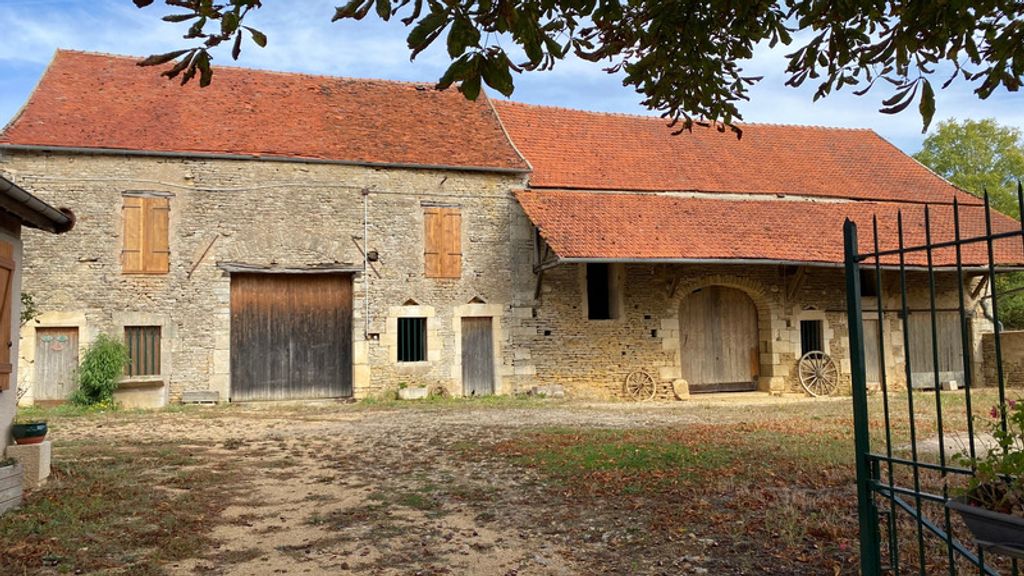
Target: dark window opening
{"points": [[600, 293], [143, 350], [812, 337], [412, 339], [868, 283]]}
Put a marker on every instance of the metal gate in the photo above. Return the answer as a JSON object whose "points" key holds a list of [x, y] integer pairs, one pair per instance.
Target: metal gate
{"points": [[903, 479]]}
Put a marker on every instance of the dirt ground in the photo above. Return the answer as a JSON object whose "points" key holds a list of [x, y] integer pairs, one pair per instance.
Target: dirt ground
{"points": [[436, 489]]}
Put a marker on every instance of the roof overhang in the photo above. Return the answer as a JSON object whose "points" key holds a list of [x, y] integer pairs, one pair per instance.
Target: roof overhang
{"points": [[584, 227], [32, 211]]}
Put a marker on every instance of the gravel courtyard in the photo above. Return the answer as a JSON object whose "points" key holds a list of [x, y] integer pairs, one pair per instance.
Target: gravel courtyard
{"points": [[745, 485]]}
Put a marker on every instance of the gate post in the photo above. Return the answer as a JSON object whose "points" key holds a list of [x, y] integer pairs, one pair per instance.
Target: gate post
{"points": [[870, 553]]}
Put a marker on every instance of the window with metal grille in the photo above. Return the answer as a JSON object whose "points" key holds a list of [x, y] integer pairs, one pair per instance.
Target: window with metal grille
{"points": [[143, 350], [412, 339], [811, 336]]}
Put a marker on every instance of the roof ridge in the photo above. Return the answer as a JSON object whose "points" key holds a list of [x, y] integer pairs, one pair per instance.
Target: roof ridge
{"points": [[413, 83], [654, 117]]}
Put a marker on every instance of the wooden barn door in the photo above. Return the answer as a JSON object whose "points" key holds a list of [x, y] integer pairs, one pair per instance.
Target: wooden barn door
{"points": [[951, 354], [718, 340], [477, 357], [56, 364], [291, 336]]}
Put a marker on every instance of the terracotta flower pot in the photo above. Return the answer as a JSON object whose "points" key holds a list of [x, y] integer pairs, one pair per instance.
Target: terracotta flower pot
{"points": [[991, 529], [30, 433]]}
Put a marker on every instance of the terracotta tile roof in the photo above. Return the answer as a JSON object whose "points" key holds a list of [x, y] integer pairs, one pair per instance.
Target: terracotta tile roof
{"points": [[101, 101], [589, 225], [573, 149]]}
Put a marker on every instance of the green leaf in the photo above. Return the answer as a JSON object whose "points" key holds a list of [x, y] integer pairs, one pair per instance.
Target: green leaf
{"points": [[384, 9], [158, 59], [429, 28], [498, 75], [470, 87], [927, 106], [258, 37], [463, 35], [179, 17]]}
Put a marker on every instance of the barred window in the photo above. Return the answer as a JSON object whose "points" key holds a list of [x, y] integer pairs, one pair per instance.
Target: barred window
{"points": [[812, 338], [143, 350], [412, 339]]}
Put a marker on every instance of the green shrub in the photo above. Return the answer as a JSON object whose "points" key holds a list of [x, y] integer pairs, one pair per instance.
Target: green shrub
{"points": [[103, 364]]}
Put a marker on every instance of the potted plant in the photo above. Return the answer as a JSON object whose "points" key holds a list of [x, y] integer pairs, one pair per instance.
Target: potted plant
{"points": [[27, 430], [991, 503], [11, 473]]}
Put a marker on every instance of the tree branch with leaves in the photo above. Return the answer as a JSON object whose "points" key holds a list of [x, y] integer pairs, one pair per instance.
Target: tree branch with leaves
{"points": [[682, 56]]}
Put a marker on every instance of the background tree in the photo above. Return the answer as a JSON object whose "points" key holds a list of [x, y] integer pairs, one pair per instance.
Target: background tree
{"points": [[980, 155], [682, 56]]}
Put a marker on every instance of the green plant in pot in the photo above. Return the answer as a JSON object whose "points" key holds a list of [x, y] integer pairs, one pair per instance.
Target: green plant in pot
{"points": [[28, 430], [991, 503]]}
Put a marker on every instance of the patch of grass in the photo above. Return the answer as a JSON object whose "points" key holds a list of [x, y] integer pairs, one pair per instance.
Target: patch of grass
{"points": [[111, 508]]}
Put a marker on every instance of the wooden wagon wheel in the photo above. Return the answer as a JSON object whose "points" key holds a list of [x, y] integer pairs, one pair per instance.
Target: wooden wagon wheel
{"points": [[818, 373], [640, 385]]}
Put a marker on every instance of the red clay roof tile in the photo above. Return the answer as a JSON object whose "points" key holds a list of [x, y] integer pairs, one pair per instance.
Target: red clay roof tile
{"points": [[589, 225], [101, 101], [574, 149]]}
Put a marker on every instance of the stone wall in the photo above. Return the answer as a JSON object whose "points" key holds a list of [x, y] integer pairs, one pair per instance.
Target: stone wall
{"points": [[297, 215], [1011, 348], [592, 358], [284, 214]]}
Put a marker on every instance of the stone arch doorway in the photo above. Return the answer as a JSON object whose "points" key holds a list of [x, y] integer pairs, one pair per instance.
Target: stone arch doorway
{"points": [[718, 339]]}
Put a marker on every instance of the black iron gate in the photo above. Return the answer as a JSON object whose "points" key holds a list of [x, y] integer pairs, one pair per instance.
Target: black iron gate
{"points": [[907, 440]]}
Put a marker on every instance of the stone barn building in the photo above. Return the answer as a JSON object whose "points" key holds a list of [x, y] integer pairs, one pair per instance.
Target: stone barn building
{"points": [[287, 236]]}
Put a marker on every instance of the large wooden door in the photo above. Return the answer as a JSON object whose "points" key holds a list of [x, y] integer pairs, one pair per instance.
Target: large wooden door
{"points": [[477, 357], [291, 336], [718, 340], [922, 357], [56, 364]]}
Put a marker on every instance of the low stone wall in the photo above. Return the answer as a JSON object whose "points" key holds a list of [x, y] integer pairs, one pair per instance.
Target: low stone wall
{"points": [[1011, 346]]}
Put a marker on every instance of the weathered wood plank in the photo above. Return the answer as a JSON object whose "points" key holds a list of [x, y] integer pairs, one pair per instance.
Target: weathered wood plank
{"points": [[477, 356], [291, 336], [56, 363], [718, 340]]}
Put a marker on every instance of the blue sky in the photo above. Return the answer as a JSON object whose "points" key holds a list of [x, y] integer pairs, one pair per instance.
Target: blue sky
{"points": [[303, 39]]}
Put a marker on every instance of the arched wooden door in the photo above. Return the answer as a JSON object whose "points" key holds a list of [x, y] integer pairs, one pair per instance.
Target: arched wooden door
{"points": [[718, 340]]}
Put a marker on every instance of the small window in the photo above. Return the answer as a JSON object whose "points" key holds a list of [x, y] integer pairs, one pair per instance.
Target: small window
{"points": [[144, 238], [812, 337], [143, 350], [412, 339], [442, 243], [868, 283], [601, 294]]}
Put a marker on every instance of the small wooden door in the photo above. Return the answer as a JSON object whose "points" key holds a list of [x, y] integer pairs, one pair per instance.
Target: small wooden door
{"points": [[950, 348], [477, 357], [291, 336], [718, 340], [872, 354], [56, 364]]}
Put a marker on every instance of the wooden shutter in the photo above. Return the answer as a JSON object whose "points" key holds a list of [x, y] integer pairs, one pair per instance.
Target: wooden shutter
{"points": [[451, 260], [442, 252], [156, 254], [8, 295], [145, 238]]}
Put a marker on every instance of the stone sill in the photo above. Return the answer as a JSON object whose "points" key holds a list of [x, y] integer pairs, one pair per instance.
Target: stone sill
{"points": [[140, 382]]}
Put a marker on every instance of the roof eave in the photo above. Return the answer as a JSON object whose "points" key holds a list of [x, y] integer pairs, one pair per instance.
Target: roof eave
{"points": [[256, 157], [32, 211]]}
